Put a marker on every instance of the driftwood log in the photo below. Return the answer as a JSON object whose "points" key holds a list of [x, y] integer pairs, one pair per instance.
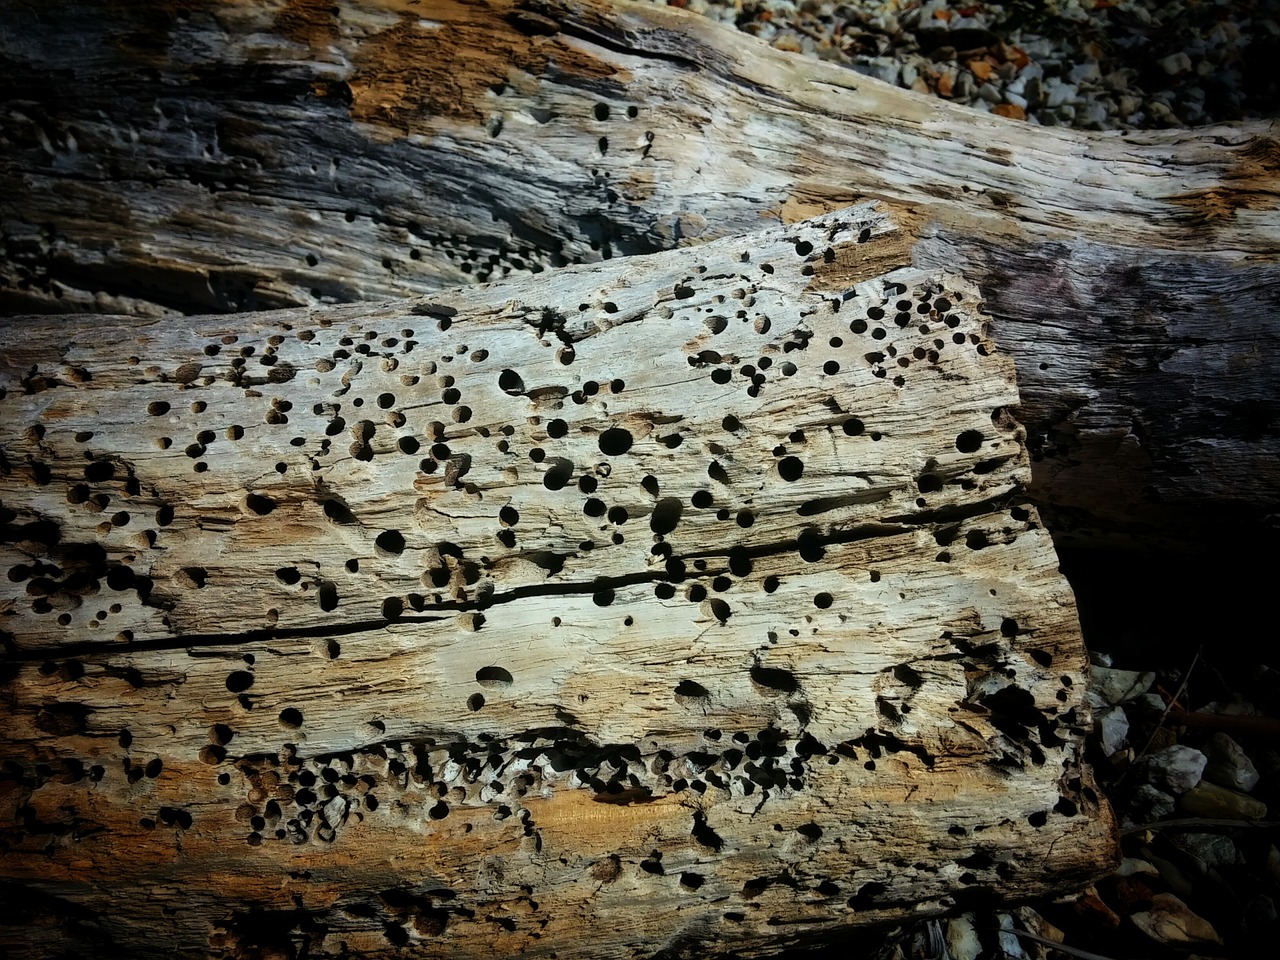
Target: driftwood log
{"points": [[680, 605], [227, 155]]}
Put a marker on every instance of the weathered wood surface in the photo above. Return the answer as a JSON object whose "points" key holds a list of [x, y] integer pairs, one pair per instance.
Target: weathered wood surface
{"points": [[676, 606], [231, 155]]}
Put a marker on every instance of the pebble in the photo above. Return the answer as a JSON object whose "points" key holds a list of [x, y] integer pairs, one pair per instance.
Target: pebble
{"points": [[1107, 685], [1092, 114], [1210, 800], [1010, 945], [1228, 765], [1273, 863], [1112, 726], [1126, 47], [1169, 920], [1086, 72], [1058, 94], [1209, 849], [1148, 803], [1136, 866], [962, 938], [1175, 769], [1173, 876]]}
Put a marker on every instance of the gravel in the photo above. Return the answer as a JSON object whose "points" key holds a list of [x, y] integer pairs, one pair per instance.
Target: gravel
{"points": [[1092, 64]]}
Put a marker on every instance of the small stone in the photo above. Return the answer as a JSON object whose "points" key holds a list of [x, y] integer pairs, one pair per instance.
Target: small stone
{"points": [[1039, 48], [1273, 863], [1086, 72], [962, 938], [990, 93], [980, 69], [1013, 98], [1228, 765], [887, 71], [1093, 113], [1210, 850], [1010, 945], [945, 83], [1135, 866], [1059, 94], [1210, 800], [965, 87], [1093, 909], [1163, 113], [1034, 92], [1148, 803], [1112, 727], [1038, 926], [1010, 111], [1172, 875], [1230, 708], [1169, 920], [1175, 63], [1176, 769], [909, 75], [1108, 686]]}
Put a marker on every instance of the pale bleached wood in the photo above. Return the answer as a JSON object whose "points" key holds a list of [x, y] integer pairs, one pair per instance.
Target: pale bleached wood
{"points": [[358, 692], [243, 155]]}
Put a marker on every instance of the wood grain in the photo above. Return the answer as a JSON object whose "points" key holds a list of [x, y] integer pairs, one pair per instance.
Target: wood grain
{"points": [[682, 604], [228, 155]]}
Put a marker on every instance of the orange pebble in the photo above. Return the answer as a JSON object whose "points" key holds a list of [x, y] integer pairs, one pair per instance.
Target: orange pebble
{"points": [[1010, 110]]}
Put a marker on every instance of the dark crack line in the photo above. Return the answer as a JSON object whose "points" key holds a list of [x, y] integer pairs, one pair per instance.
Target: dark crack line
{"points": [[892, 527]]}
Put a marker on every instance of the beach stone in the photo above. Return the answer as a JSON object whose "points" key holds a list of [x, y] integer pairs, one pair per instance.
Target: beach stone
{"points": [[1136, 866], [1229, 766], [1210, 800], [1109, 686], [1086, 72], [1273, 863], [1059, 94], [1092, 113], [1175, 769], [1171, 921], [1112, 727], [962, 938], [1210, 849], [1173, 876], [1148, 803]]}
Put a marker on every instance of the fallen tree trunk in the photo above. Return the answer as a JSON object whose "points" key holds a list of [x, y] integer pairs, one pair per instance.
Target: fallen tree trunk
{"points": [[227, 156], [496, 624]]}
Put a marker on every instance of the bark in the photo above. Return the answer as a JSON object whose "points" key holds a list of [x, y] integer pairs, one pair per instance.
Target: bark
{"points": [[223, 156], [498, 624]]}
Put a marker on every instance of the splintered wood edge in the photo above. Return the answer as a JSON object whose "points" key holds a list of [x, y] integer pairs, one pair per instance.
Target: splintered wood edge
{"points": [[693, 580]]}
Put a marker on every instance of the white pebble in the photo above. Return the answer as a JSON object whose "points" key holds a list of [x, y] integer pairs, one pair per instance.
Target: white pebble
{"points": [[1086, 72]]}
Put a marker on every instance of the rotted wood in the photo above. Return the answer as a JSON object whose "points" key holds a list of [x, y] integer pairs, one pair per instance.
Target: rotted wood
{"points": [[229, 155], [681, 605]]}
